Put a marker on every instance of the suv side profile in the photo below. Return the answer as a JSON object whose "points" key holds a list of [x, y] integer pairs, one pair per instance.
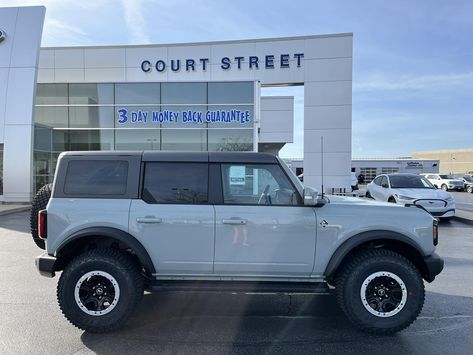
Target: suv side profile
{"points": [[118, 223], [444, 181]]}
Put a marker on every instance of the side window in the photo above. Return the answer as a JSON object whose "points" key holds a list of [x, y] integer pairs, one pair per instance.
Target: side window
{"points": [[178, 183], [384, 180], [257, 184], [377, 181], [96, 177]]}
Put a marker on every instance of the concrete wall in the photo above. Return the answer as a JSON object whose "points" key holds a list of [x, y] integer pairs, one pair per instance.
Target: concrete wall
{"points": [[277, 119], [18, 68], [454, 161]]}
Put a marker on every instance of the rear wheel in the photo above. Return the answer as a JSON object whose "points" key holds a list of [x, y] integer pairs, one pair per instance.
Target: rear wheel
{"points": [[392, 200], [39, 203], [368, 194], [99, 290], [380, 291]]}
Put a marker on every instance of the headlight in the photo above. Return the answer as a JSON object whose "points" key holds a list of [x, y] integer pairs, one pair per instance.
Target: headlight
{"points": [[402, 197]]}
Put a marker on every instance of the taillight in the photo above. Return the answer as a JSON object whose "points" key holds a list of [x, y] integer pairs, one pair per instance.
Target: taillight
{"points": [[42, 224], [436, 232]]}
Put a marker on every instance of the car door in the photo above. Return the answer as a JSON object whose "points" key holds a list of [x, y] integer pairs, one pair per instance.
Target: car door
{"points": [[374, 188], [262, 226], [384, 191], [173, 219]]}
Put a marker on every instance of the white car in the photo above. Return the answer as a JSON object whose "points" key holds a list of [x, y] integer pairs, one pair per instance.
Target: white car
{"points": [[412, 189], [444, 181]]}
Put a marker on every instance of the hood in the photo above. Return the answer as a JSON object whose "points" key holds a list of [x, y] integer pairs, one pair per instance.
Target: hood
{"points": [[423, 193]]}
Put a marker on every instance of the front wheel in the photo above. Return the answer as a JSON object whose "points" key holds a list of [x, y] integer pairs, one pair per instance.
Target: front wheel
{"points": [[469, 189], [99, 289], [380, 291], [444, 187]]}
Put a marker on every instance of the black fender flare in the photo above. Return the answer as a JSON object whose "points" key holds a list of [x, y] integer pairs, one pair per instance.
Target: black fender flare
{"points": [[358, 239], [117, 234]]}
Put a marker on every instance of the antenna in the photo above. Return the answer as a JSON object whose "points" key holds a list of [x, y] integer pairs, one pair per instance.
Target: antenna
{"points": [[322, 162]]}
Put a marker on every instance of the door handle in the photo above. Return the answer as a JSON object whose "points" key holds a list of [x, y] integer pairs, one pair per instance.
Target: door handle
{"points": [[149, 220], [238, 221]]}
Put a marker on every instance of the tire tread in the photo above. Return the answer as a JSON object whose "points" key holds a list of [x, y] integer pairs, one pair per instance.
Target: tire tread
{"points": [[360, 258], [121, 260], [39, 203]]}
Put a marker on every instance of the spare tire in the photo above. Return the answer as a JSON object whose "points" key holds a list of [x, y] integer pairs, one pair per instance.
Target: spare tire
{"points": [[39, 203]]}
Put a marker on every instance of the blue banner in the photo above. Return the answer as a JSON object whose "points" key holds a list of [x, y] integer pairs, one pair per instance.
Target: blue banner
{"points": [[126, 116]]}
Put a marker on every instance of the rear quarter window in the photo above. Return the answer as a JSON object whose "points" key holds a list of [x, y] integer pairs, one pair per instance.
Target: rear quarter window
{"points": [[96, 177]]}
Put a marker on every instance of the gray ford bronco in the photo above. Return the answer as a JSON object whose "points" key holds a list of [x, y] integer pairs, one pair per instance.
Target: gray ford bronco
{"points": [[119, 223]]}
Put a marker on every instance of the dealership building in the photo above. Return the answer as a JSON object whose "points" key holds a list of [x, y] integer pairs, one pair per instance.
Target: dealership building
{"points": [[192, 97]]}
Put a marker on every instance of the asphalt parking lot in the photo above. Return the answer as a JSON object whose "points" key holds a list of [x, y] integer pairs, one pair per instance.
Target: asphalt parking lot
{"points": [[463, 200], [31, 322]]}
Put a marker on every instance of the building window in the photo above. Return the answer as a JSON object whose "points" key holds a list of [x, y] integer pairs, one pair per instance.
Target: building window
{"points": [[1, 169], [369, 173], [86, 116], [389, 170]]}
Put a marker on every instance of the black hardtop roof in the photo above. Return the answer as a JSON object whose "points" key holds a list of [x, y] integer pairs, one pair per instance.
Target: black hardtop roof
{"points": [[168, 156]]}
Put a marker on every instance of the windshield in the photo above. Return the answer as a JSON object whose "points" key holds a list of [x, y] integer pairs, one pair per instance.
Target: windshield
{"points": [[468, 178], [446, 177], [410, 182]]}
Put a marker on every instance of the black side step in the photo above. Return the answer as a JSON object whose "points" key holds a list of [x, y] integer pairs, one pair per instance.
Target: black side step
{"points": [[238, 286]]}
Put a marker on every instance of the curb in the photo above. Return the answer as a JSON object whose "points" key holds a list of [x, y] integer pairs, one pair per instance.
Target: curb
{"points": [[463, 220], [464, 216], [14, 210]]}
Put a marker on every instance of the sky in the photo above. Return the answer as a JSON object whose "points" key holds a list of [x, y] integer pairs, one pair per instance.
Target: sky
{"points": [[412, 60]]}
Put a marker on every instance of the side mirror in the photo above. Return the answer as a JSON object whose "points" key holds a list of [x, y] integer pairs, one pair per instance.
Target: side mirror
{"points": [[311, 196]]}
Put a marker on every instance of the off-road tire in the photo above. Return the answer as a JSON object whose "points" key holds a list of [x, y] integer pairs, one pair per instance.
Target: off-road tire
{"points": [[348, 286], [126, 272], [39, 203]]}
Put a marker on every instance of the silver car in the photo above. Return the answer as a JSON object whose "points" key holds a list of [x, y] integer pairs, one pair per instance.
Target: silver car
{"points": [[406, 189], [117, 223]]}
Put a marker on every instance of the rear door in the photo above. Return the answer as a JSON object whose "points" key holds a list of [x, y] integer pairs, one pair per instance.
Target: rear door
{"points": [[262, 226], [173, 218]]}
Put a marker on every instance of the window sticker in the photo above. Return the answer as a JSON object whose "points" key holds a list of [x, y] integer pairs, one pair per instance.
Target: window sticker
{"points": [[237, 175]]}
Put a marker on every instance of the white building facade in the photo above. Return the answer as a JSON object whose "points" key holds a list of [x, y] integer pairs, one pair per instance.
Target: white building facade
{"points": [[193, 96]]}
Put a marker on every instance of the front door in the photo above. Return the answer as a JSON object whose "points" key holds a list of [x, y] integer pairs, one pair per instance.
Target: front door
{"points": [[173, 220], [262, 227]]}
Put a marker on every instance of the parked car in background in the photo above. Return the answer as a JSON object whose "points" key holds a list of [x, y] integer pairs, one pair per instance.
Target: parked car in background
{"points": [[444, 181], [412, 189], [467, 183]]}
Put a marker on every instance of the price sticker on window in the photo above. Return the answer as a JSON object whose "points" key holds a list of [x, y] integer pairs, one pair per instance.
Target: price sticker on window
{"points": [[237, 175]]}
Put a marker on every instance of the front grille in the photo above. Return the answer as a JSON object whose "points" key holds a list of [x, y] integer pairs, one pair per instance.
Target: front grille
{"points": [[431, 203]]}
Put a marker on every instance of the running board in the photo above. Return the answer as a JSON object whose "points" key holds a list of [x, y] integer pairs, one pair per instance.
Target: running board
{"points": [[238, 286]]}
